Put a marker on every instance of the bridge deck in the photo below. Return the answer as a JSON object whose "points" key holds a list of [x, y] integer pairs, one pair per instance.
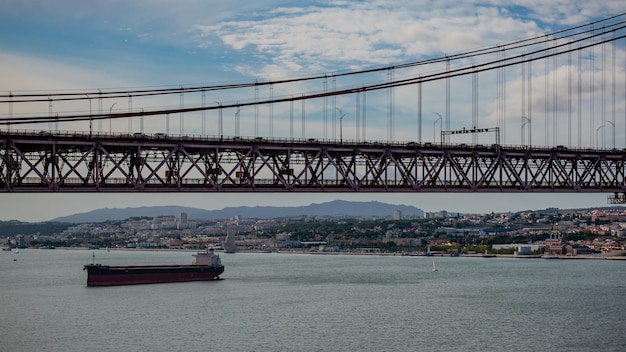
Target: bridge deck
{"points": [[76, 162]]}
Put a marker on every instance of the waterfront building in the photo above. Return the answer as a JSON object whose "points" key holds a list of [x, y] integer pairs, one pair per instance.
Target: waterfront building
{"points": [[555, 245]]}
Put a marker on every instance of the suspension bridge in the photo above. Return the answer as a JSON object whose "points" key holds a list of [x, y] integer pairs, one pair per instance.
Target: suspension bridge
{"points": [[539, 114]]}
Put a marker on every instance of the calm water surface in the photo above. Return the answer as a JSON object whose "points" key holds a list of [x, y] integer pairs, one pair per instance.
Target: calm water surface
{"points": [[297, 302]]}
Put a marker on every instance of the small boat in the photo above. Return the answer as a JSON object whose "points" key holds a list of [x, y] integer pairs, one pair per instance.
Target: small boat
{"points": [[434, 267]]}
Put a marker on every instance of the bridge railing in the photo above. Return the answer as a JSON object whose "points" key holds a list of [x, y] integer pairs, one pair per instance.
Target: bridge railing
{"points": [[295, 140]]}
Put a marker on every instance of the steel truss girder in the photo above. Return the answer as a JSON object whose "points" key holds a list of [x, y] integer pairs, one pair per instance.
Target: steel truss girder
{"points": [[33, 163]]}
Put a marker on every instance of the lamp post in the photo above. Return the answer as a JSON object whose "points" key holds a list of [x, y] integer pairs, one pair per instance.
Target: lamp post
{"points": [[90, 118], [597, 130], [110, 118], [219, 120], [612, 133], [526, 121], [237, 122], [435, 123], [341, 115]]}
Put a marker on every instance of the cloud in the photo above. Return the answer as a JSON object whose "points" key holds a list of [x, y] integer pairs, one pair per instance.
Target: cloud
{"points": [[323, 36], [25, 72]]}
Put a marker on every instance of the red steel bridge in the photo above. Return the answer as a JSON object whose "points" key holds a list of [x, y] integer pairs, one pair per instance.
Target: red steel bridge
{"points": [[568, 87], [52, 162]]}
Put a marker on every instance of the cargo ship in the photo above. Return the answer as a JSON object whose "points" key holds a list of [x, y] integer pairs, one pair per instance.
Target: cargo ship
{"points": [[207, 266]]}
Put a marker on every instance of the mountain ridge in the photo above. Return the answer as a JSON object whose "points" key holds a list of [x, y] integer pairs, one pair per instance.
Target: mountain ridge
{"points": [[335, 208]]}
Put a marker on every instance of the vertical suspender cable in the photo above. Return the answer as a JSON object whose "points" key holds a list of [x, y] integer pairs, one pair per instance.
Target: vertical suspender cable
{"points": [[334, 109], [99, 110], [11, 110], [393, 105], [325, 107], [603, 105], [130, 109], [530, 102], [554, 94], [580, 92], [167, 123], [271, 107], [203, 113], [474, 105], [498, 97], [419, 112], [503, 130], [569, 97], [613, 102], [447, 138], [220, 122], [303, 118], [546, 92], [363, 114], [591, 92], [500, 91], [358, 115], [523, 103], [182, 115], [256, 109], [390, 106], [49, 112]]}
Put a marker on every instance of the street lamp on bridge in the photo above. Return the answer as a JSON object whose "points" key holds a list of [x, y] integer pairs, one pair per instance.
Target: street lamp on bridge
{"points": [[526, 121], [219, 120], [597, 130], [90, 118], [613, 133], [110, 117], [440, 125], [237, 122], [341, 115]]}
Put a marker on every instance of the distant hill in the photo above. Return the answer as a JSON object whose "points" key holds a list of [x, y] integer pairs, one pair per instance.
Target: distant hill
{"points": [[333, 208]]}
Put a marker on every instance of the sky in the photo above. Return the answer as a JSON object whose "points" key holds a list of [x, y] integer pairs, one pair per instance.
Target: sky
{"points": [[77, 45]]}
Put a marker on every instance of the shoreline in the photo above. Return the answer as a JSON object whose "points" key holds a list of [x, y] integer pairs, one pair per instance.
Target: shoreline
{"points": [[602, 256]]}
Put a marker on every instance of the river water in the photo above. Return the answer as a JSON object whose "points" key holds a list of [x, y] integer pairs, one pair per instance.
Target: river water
{"points": [[299, 302]]}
